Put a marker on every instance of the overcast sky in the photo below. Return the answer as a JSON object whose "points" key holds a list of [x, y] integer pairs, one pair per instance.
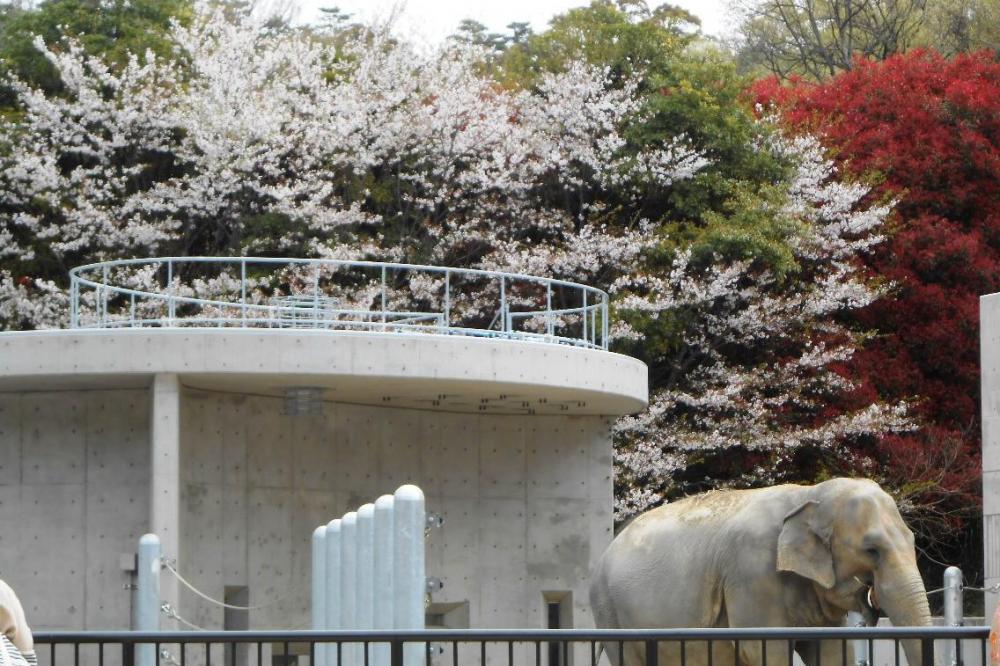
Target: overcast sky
{"points": [[431, 21]]}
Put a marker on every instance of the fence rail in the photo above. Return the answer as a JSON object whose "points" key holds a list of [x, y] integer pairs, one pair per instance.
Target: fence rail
{"points": [[269, 292], [567, 647]]}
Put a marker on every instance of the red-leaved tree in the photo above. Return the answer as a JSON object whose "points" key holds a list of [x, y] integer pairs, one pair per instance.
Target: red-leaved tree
{"points": [[925, 130]]}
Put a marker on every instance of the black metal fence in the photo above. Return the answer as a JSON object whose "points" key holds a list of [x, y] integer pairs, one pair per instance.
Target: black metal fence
{"points": [[961, 646]]}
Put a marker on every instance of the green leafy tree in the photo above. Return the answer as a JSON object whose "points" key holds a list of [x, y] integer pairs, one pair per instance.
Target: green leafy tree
{"points": [[110, 28]]}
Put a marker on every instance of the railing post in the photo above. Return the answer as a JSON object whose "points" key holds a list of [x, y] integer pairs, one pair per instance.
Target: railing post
{"points": [[503, 303], [74, 298], [384, 585], [652, 654], [927, 650], [549, 324], [447, 298], [316, 297], [584, 313], [170, 293], [396, 653], [604, 321], [383, 298], [104, 296], [147, 606], [243, 289], [409, 575], [319, 586], [952, 613]]}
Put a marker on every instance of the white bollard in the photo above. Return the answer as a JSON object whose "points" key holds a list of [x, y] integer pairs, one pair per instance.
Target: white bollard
{"points": [[409, 575], [383, 586], [861, 656], [952, 613], [319, 586], [147, 595], [366, 568], [332, 586], [348, 583]]}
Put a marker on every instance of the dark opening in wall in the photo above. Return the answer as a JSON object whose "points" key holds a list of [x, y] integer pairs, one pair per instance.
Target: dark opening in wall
{"points": [[236, 619], [558, 615]]}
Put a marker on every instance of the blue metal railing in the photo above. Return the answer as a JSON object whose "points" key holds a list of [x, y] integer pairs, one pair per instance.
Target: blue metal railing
{"points": [[302, 293]]}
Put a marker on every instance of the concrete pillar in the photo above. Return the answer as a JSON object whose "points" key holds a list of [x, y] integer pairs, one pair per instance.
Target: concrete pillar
{"points": [[165, 491], [989, 349]]}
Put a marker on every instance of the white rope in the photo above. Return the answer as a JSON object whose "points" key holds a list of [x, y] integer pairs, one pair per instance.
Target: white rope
{"points": [[216, 601], [172, 614]]}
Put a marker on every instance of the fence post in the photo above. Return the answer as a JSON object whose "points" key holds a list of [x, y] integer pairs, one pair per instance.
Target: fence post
{"points": [[952, 613], [652, 653], [409, 576], [147, 607], [861, 656], [333, 620], [382, 607]]}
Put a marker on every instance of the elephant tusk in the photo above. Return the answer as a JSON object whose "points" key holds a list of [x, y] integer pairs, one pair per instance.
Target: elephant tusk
{"points": [[872, 598]]}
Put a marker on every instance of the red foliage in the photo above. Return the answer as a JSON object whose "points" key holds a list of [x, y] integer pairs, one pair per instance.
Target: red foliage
{"points": [[926, 130]]}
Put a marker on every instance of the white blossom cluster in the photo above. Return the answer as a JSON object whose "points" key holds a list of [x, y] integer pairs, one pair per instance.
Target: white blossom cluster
{"points": [[755, 370], [253, 141]]}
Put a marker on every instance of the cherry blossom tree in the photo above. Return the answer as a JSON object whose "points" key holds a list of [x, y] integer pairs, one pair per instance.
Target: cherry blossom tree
{"points": [[753, 365], [252, 141]]}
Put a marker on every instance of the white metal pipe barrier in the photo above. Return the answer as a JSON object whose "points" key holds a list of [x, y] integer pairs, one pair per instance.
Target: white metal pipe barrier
{"points": [[371, 575], [147, 595]]}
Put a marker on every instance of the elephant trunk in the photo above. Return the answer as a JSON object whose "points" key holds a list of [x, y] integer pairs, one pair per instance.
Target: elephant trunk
{"points": [[904, 600]]}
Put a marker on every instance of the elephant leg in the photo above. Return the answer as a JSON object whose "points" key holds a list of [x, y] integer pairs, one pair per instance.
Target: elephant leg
{"points": [[764, 653], [671, 653], [826, 653]]}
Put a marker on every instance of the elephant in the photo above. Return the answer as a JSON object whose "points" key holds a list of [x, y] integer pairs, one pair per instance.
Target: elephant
{"points": [[784, 556]]}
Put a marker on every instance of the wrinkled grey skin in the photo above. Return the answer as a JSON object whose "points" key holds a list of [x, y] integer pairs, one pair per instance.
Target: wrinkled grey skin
{"points": [[787, 556]]}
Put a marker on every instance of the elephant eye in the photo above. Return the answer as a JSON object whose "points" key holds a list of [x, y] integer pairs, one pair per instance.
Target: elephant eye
{"points": [[872, 553]]}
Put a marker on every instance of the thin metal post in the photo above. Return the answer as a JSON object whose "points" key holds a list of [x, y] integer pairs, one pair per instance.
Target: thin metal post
{"points": [[593, 325], [447, 299], [652, 654], [549, 324], [131, 311], [170, 293], [584, 315], [103, 302], [316, 297], [243, 289], [382, 609], [953, 593], [383, 298], [74, 295], [409, 576], [147, 606], [503, 303], [319, 577], [604, 321]]}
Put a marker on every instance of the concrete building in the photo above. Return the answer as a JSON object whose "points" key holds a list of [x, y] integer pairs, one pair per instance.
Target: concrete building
{"points": [[187, 426]]}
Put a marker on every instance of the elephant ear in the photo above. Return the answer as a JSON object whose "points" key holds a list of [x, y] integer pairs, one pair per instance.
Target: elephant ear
{"points": [[804, 545]]}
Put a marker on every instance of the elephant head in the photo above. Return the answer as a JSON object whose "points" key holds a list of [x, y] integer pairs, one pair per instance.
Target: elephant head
{"points": [[846, 536]]}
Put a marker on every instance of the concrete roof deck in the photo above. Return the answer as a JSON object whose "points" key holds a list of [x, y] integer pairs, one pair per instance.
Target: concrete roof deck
{"points": [[420, 371]]}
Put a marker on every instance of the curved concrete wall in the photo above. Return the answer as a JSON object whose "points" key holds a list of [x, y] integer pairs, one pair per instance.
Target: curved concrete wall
{"points": [[109, 434]]}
